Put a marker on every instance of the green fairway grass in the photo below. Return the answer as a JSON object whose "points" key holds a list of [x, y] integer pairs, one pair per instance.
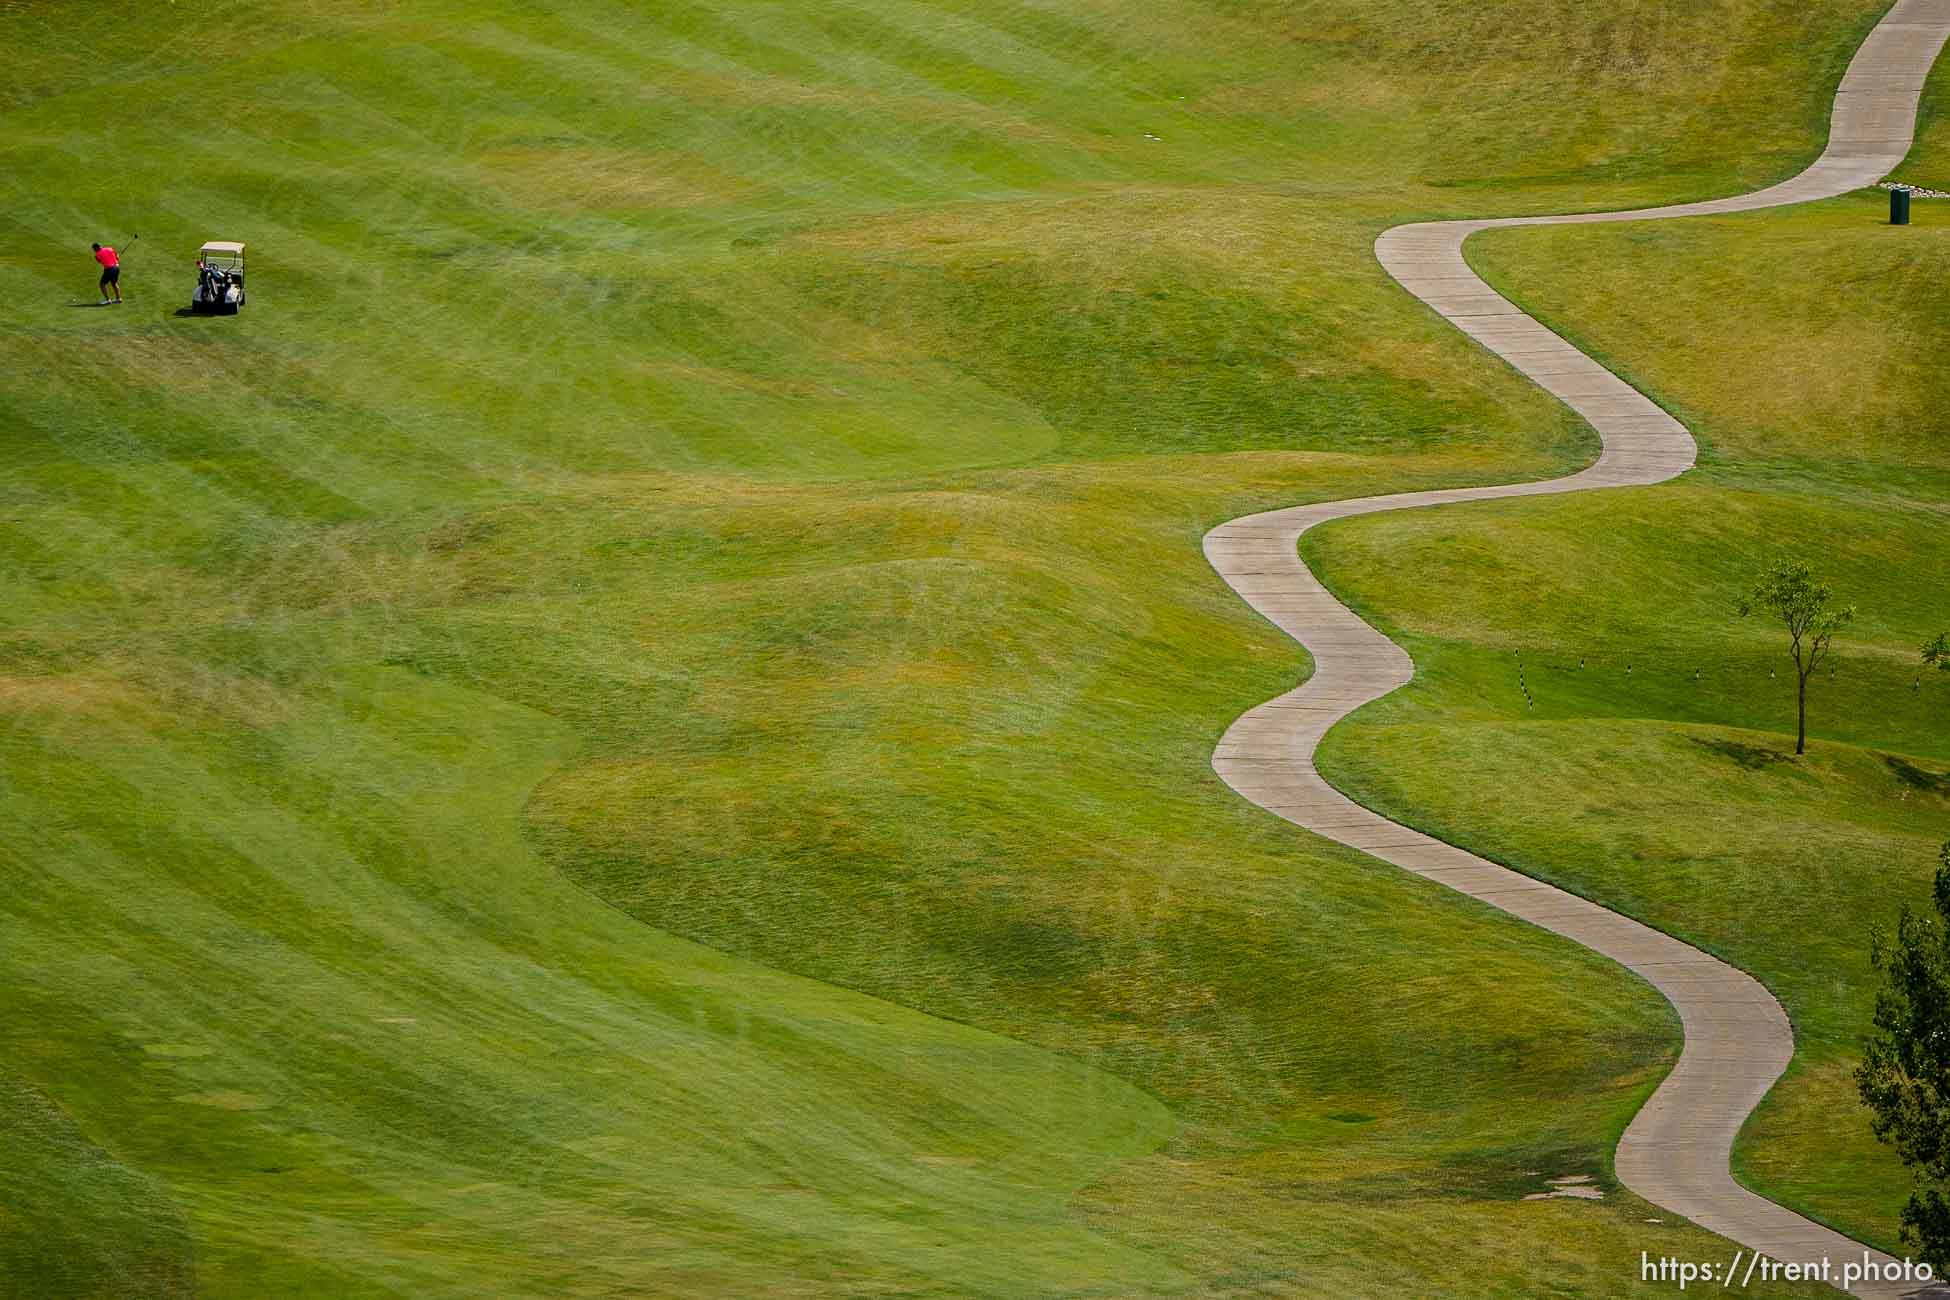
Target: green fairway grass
{"points": [[639, 722], [1655, 770]]}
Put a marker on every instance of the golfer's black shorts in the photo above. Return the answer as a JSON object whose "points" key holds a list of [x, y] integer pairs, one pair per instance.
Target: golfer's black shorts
{"points": [[111, 274]]}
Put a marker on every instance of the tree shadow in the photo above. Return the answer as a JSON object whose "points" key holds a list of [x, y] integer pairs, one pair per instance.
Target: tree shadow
{"points": [[1755, 758], [1916, 778]]}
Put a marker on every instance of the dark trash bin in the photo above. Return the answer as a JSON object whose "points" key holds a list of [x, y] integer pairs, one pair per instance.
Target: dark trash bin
{"points": [[1899, 207]]}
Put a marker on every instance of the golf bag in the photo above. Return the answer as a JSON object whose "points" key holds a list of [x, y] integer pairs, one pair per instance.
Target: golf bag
{"points": [[217, 290]]}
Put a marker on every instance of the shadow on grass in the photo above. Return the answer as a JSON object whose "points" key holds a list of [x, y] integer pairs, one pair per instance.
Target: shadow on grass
{"points": [[1916, 778], [1755, 758]]}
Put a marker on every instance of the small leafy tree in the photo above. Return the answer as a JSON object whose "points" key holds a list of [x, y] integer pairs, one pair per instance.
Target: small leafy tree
{"points": [[1938, 651], [1805, 606], [1904, 1077]]}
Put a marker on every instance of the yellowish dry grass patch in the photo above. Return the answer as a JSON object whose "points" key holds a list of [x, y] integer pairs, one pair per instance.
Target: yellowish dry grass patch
{"points": [[576, 179]]}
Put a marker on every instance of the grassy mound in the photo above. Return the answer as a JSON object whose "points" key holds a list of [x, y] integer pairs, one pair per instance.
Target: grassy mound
{"points": [[639, 721]]}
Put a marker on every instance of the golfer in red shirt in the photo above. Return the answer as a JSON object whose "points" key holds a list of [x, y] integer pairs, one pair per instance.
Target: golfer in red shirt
{"points": [[111, 274]]}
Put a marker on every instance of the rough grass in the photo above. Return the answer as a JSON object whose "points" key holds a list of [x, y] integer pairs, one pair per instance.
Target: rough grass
{"points": [[639, 722]]}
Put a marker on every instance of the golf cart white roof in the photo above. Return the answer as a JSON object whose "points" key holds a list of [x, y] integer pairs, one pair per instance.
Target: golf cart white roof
{"points": [[222, 246]]}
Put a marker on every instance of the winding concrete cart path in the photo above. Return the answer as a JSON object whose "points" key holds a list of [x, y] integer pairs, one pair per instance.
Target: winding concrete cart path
{"points": [[1737, 1037]]}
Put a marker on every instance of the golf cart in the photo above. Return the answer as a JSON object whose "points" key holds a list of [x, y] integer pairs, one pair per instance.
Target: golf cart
{"points": [[219, 278]]}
